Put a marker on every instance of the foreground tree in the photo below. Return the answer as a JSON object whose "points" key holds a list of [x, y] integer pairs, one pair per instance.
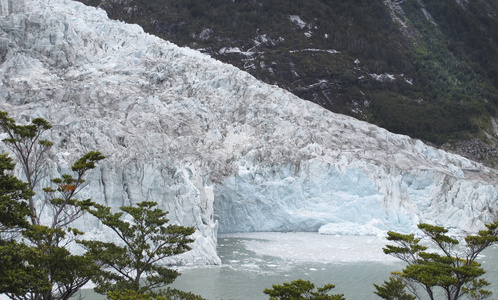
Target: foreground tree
{"points": [[15, 274], [135, 265], [26, 142], [14, 195], [40, 266], [394, 289], [452, 270], [169, 294], [301, 290]]}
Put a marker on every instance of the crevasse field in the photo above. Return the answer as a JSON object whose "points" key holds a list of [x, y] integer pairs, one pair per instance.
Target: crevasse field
{"points": [[225, 153], [218, 149]]}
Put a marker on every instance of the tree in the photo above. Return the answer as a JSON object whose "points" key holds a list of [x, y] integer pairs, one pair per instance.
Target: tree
{"points": [[301, 290], [18, 277], [44, 254], [65, 209], [169, 294], [451, 270], [30, 149], [63, 272], [15, 275], [14, 208], [40, 265], [145, 241], [393, 290]]}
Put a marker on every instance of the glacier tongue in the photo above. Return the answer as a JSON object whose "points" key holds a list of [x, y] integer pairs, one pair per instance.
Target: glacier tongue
{"points": [[214, 146]]}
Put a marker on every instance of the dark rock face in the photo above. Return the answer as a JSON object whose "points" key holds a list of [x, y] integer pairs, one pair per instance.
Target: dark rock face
{"points": [[475, 150]]}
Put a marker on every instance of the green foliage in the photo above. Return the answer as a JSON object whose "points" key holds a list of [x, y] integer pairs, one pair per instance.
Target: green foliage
{"points": [[65, 208], [30, 150], [14, 208], [472, 31], [18, 277], [40, 266], [407, 246], [434, 122], [451, 90], [63, 272], [174, 294], [300, 290], [146, 241], [393, 290], [168, 294], [25, 140], [454, 272], [128, 295], [86, 162]]}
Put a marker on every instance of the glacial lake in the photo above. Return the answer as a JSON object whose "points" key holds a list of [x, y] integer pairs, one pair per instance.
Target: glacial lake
{"points": [[252, 262], [255, 261]]}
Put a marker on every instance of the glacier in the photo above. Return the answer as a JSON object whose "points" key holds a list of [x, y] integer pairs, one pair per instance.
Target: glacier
{"points": [[212, 145]]}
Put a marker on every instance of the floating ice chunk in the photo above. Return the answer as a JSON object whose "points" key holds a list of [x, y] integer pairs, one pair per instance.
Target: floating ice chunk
{"points": [[297, 247], [348, 228]]}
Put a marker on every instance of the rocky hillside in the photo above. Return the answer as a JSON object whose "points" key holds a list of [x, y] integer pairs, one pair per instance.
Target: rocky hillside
{"points": [[427, 69]]}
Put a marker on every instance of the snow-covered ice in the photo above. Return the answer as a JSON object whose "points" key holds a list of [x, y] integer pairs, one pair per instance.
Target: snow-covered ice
{"points": [[298, 21]]}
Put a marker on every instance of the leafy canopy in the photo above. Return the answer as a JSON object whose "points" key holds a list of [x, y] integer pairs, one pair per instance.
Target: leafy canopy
{"points": [[394, 289], [301, 290], [27, 145], [450, 271], [145, 241], [39, 264], [14, 193]]}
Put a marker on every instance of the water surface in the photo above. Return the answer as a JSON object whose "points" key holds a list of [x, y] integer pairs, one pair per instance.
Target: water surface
{"points": [[255, 261], [252, 262]]}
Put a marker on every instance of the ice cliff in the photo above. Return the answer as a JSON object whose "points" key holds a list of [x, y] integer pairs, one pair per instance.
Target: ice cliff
{"points": [[215, 147]]}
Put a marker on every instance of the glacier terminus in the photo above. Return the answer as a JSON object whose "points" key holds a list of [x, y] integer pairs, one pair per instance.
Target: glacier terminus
{"points": [[215, 147]]}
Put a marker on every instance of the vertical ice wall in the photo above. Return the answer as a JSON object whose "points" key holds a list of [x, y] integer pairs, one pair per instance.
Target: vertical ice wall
{"points": [[360, 199]]}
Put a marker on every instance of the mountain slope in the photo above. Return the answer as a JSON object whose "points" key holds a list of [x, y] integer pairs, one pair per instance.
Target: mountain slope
{"points": [[427, 69], [217, 148]]}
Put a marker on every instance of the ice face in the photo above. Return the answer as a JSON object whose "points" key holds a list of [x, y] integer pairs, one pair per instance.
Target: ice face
{"points": [[346, 198], [295, 198], [211, 144]]}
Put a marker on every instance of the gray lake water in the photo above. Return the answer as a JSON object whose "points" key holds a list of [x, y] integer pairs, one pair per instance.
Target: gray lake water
{"points": [[255, 261], [252, 262]]}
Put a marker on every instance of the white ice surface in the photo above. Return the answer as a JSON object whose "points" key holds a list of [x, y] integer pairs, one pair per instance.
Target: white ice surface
{"points": [[299, 247], [297, 20]]}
